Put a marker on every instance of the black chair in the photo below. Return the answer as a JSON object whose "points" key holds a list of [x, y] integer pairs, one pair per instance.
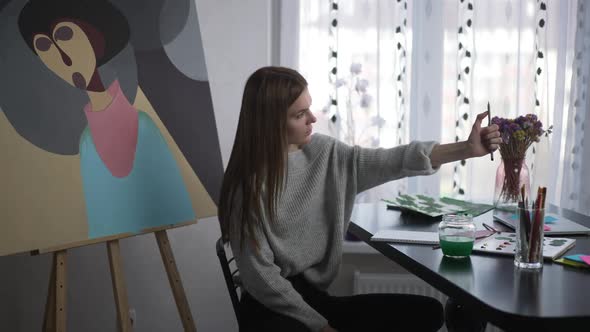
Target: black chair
{"points": [[232, 278]]}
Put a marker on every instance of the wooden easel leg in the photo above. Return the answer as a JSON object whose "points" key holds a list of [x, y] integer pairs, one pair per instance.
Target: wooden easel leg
{"points": [[119, 289], [49, 320], [60, 290], [175, 282]]}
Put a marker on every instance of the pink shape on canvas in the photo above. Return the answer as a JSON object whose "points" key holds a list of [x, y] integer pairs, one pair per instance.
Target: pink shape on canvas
{"points": [[586, 259], [114, 132]]}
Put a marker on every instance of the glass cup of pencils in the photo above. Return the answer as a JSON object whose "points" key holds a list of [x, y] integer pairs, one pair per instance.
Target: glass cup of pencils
{"points": [[530, 231]]}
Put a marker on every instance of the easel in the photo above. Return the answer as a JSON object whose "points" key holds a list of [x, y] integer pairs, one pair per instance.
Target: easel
{"points": [[55, 307]]}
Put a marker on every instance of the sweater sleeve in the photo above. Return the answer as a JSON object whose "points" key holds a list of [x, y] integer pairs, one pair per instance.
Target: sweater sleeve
{"points": [[376, 166], [262, 279]]}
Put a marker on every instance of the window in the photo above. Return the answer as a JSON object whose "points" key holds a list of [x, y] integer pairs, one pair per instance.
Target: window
{"points": [[453, 57]]}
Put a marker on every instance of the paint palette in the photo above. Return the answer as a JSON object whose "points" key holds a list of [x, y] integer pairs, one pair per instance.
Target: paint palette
{"points": [[505, 244]]}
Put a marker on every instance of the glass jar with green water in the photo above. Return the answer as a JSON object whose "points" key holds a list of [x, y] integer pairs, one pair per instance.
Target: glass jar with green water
{"points": [[456, 234]]}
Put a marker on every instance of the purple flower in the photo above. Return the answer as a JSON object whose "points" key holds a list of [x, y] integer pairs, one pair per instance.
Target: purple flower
{"points": [[340, 82], [361, 85], [497, 121], [356, 68], [366, 100], [526, 125], [378, 121], [518, 134]]}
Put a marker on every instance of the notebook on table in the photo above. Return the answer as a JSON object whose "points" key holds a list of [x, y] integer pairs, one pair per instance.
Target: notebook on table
{"points": [[558, 225], [392, 235], [505, 244]]}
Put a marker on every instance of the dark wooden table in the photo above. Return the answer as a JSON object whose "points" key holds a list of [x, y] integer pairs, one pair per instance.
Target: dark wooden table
{"points": [[557, 298]]}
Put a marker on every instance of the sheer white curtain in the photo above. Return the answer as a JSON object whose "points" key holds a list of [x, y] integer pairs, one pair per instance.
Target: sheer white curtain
{"points": [[496, 52], [572, 177], [429, 78], [355, 55]]}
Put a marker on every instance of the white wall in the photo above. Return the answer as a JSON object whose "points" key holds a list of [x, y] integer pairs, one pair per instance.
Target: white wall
{"points": [[236, 37]]}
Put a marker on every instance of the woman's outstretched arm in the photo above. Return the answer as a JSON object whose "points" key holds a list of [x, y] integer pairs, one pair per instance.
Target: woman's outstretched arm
{"points": [[481, 141]]}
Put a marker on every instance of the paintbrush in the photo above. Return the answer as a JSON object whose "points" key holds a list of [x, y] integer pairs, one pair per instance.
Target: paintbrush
{"points": [[525, 217], [489, 123], [537, 224]]}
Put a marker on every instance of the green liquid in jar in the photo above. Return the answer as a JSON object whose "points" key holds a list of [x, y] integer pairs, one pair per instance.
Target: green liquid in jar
{"points": [[457, 246]]}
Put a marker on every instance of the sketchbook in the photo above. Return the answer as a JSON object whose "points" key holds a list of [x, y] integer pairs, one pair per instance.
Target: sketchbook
{"points": [[392, 235], [558, 225]]}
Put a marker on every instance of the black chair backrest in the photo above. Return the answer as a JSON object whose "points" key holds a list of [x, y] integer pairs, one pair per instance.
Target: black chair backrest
{"points": [[232, 278]]}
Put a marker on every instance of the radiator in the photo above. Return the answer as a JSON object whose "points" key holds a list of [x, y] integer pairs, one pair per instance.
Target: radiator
{"points": [[401, 283]]}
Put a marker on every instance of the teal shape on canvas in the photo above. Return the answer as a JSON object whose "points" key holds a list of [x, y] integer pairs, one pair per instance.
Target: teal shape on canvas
{"points": [[152, 195]]}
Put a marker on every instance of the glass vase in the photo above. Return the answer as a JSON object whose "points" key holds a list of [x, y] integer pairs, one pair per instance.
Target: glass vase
{"points": [[511, 175]]}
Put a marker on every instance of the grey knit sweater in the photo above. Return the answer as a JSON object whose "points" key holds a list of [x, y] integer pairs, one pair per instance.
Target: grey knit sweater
{"points": [[312, 217]]}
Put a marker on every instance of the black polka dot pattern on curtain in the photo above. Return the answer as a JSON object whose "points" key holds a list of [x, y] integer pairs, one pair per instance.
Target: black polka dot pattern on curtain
{"points": [[465, 51], [401, 78], [332, 108], [540, 61]]}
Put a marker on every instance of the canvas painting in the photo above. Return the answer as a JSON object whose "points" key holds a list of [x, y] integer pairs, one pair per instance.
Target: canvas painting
{"points": [[106, 121]]}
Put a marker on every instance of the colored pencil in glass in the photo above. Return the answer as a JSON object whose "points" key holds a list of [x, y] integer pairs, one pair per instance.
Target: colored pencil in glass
{"points": [[489, 123]]}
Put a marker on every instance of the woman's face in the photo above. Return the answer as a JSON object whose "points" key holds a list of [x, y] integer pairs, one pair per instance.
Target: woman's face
{"points": [[299, 121], [68, 53]]}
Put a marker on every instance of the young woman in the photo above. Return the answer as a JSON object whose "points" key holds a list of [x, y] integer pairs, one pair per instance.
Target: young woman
{"points": [[286, 201]]}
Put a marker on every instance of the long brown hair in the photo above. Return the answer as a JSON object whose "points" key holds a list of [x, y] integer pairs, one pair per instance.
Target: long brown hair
{"points": [[257, 165]]}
